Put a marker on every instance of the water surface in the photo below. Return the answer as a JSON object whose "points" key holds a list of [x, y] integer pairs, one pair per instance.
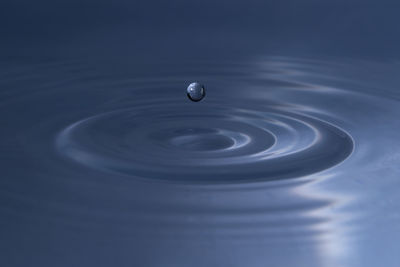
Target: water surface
{"points": [[292, 158], [107, 162]]}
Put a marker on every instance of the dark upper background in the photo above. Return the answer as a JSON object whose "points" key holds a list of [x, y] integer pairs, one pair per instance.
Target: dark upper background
{"points": [[198, 29]]}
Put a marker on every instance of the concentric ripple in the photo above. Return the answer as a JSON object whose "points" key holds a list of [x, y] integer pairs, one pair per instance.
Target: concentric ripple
{"points": [[174, 141], [284, 156]]}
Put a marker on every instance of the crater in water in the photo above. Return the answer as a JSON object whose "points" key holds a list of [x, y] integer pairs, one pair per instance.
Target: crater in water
{"points": [[202, 140]]}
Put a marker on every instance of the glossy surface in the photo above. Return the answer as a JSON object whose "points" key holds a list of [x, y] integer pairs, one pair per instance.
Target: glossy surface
{"points": [[196, 92], [292, 159]]}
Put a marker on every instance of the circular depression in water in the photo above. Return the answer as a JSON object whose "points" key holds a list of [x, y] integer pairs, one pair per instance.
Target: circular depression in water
{"points": [[212, 144]]}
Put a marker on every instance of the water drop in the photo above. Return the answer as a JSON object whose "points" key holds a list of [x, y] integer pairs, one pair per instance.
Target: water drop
{"points": [[196, 91]]}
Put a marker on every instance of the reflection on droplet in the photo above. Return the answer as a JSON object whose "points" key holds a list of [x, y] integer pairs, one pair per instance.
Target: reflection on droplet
{"points": [[196, 91]]}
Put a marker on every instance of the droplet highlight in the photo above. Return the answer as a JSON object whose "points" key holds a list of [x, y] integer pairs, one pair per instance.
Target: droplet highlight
{"points": [[196, 91]]}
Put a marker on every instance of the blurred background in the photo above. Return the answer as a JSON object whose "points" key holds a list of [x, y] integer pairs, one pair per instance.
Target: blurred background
{"points": [[193, 29]]}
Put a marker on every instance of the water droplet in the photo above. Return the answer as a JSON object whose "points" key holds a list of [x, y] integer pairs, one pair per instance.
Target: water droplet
{"points": [[196, 91]]}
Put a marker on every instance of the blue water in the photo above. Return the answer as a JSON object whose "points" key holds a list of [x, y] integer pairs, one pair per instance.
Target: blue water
{"points": [[292, 158]]}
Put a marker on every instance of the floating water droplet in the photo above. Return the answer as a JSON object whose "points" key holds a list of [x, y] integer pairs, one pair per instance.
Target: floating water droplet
{"points": [[196, 91]]}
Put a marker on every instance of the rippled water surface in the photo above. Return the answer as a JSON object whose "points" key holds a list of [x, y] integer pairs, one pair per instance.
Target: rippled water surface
{"points": [[286, 162]]}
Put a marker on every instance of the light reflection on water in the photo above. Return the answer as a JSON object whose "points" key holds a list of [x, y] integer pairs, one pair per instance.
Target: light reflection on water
{"points": [[285, 157]]}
